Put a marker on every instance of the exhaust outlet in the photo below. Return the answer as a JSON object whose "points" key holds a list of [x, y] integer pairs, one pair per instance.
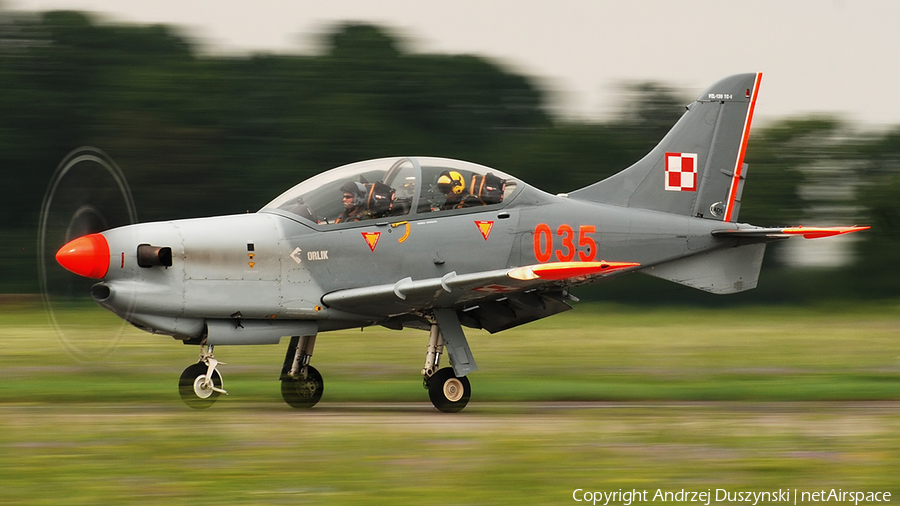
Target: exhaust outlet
{"points": [[101, 292]]}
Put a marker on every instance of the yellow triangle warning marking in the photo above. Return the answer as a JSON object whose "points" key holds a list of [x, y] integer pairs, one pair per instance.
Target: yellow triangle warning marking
{"points": [[485, 228], [371, 239]]}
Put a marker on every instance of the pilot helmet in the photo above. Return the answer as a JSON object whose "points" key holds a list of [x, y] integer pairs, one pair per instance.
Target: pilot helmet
{"points": [[358, 190], [451, 181]]}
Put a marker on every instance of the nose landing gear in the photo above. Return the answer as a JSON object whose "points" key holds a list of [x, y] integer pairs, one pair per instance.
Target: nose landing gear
{"points": [[201, 384]]}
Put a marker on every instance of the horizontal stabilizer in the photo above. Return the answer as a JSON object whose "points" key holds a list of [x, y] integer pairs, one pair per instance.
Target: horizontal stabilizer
{"points": [[722, 271], [775, 233]]}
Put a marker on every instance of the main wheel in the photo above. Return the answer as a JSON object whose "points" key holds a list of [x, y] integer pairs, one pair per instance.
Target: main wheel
{"points": [[447, 392], [303, 393], [193, 389]]}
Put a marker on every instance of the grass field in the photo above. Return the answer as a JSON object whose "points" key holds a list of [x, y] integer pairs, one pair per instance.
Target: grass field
{"points": [[602, 398]]}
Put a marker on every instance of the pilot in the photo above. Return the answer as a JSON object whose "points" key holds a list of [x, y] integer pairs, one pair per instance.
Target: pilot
{"points": [[452, 185], [354, 198]]}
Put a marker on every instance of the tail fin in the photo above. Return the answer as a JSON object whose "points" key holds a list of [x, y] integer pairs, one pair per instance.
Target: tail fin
{"points": [[698, 168]]}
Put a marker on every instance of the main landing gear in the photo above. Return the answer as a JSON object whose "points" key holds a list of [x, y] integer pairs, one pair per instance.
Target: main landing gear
{"points": [[301, 383], [448, 388], [200, 384]]}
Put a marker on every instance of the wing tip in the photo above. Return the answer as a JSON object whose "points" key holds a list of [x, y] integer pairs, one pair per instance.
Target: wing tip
{"points": [[819, 232], [786, 232]]}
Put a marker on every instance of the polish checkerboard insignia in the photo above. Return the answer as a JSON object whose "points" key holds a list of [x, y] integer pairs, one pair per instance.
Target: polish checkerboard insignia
{"points": [[681, 172]]}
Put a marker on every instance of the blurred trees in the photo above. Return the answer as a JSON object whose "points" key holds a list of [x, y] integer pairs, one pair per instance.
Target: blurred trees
{"points": [[199, 135], [877, 270]]}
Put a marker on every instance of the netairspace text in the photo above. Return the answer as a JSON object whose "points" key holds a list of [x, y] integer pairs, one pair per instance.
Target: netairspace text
{"points": [[709, 496]]}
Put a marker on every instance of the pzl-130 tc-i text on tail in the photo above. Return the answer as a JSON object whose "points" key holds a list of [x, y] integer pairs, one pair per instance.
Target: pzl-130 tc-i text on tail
{"points": [[434, 244]]}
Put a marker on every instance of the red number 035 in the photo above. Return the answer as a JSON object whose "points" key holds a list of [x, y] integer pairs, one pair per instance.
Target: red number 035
{"points": [[544, 243]]}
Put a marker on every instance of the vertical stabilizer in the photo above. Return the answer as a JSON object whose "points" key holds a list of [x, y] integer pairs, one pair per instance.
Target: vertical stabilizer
{"points": [[698, 168]]}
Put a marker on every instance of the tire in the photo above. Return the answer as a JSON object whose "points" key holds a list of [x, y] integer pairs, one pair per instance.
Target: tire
{"points": [[448, 393], [192, 393], [303, 393]]}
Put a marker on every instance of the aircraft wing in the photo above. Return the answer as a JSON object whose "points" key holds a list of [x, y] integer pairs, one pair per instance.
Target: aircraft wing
{"points": [[407, 295], [784, 232]]}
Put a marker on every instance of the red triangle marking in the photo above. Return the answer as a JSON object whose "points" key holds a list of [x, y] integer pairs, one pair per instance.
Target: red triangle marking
{"points": [[485, 228], [371, 239]]}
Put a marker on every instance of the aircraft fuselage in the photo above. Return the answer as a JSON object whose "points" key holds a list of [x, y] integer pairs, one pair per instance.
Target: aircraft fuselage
{"points": [[267, 266]]}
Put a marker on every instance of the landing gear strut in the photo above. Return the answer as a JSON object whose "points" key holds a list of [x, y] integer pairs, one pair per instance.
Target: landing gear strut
{"points": [[448, 392], [200, 384], [301, 383]]}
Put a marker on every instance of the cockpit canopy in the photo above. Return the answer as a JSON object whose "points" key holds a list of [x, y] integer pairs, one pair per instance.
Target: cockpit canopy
{"points": [[395, 187]]}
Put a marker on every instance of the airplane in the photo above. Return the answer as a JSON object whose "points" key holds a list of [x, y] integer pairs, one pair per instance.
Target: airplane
{"points": [[435, 244]]}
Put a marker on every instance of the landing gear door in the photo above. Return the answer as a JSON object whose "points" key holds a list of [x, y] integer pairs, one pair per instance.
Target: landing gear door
{"points": [[455, 341]]}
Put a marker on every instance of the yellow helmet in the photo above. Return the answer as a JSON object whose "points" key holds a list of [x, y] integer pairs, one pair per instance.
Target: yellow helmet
{"points": [[451, 181]]}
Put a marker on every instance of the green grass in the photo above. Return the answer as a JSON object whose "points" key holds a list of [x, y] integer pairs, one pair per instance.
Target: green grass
{"points": [[804, 398], [594, 353]]}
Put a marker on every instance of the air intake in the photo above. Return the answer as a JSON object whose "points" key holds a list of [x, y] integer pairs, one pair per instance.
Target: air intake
{"points": [[151, 256]]}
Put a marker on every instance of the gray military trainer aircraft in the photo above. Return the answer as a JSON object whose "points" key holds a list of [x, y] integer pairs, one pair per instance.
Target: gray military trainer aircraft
{"points": [[434, 244]]}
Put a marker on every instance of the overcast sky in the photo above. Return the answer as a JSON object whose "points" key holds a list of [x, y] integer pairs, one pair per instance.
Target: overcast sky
{"points": [[816, 56]]}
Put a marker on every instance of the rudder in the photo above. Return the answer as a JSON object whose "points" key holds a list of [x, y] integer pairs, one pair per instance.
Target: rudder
{"points": [[698, 168]]}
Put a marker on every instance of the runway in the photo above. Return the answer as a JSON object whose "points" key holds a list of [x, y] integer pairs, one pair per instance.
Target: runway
{"points": [[241, 452]]}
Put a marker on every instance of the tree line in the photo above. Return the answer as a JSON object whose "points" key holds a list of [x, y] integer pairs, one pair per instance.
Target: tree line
{"points": [[198, 135]]}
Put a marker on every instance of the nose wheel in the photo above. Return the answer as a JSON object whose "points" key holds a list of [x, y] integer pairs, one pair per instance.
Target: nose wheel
{"points": [[201, 384], [198, 390]]}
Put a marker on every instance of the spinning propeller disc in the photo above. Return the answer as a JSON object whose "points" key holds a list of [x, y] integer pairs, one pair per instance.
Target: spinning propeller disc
{"points": [[87, 194]]}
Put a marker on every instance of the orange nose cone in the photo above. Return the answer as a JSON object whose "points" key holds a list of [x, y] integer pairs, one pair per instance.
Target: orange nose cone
{"points": [[86, 256]]}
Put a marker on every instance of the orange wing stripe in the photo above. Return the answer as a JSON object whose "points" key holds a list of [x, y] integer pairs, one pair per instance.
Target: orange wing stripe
{"points": [[818, 232], [565, 270]]}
